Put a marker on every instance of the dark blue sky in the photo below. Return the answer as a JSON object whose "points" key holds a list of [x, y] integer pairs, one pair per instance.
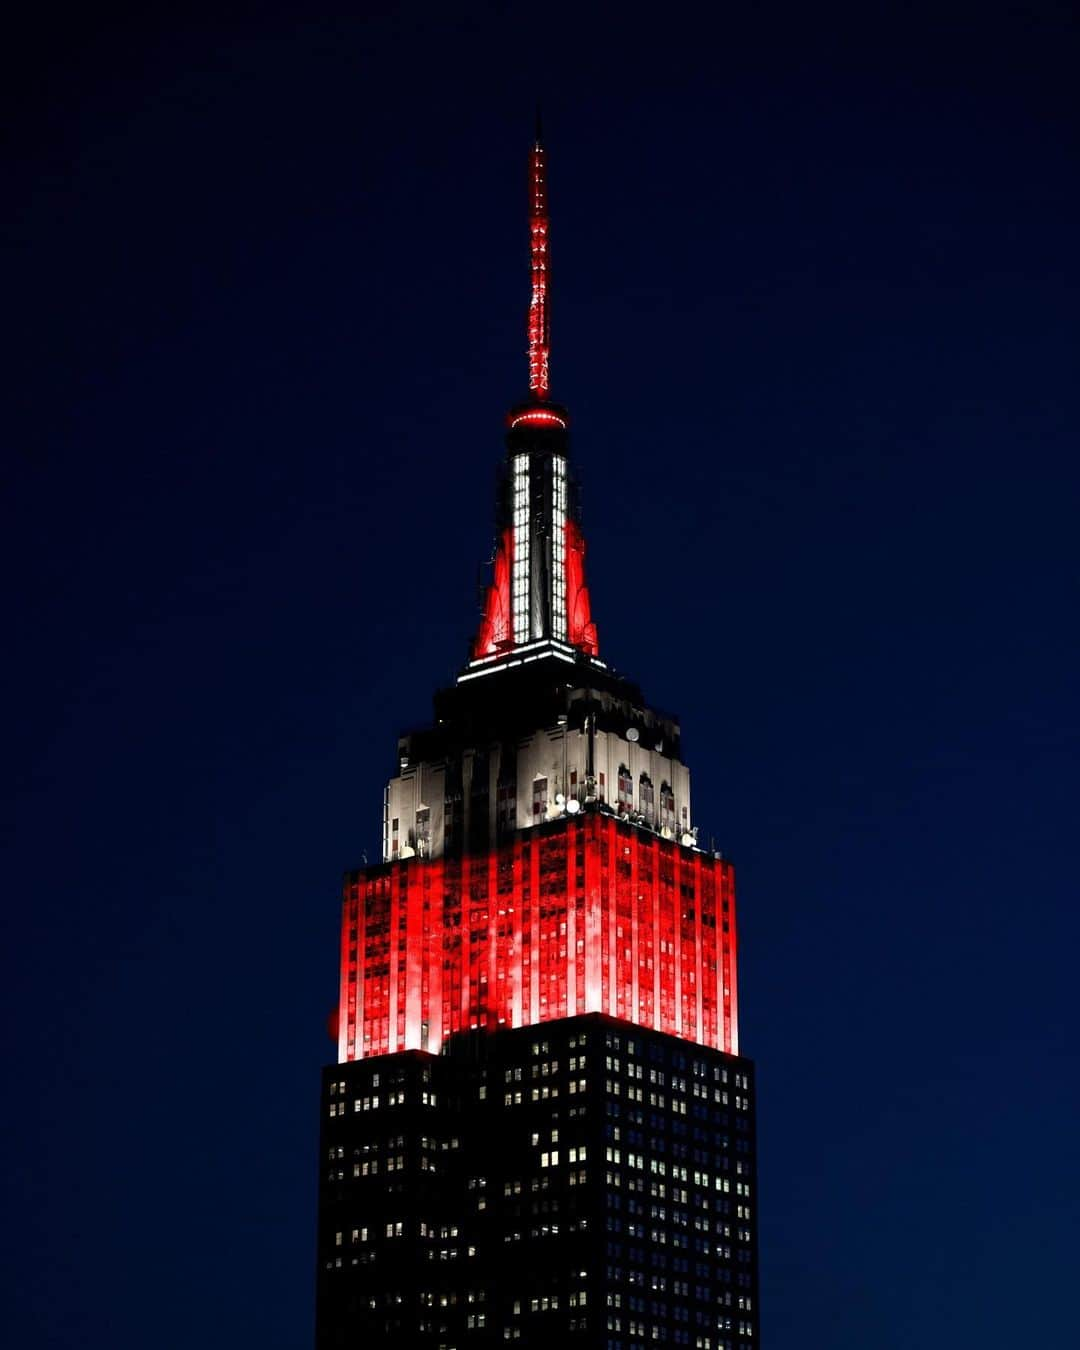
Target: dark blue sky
{"points": [[816, 319]]}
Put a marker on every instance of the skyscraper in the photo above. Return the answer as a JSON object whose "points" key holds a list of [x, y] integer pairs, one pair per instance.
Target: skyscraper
{"points": [[539, 1126]]}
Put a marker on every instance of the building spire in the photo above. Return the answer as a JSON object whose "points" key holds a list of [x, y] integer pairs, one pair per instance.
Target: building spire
{"points": [[540, 270], [537, 593]]}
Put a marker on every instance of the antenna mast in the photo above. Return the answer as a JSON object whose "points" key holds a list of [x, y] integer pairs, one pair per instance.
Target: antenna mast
{"points": [[539, 258]]}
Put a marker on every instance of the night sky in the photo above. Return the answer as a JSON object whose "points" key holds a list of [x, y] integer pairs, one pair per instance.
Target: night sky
{"points": [[815, 316]]}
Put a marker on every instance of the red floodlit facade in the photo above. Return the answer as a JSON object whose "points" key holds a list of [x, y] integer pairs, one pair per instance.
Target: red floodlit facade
{"points": [[496, 632], [586, 914], [497, 626], [582, 630]]}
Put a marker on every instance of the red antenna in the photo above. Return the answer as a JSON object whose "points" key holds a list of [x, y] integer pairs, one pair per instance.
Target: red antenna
{"points": [[539, 229]]}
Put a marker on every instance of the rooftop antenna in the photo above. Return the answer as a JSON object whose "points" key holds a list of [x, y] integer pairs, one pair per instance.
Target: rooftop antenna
{"points": [[540, 267]]}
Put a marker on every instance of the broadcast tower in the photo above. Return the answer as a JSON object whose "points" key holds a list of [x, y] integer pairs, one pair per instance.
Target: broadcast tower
{"points": [[539, 1129]]}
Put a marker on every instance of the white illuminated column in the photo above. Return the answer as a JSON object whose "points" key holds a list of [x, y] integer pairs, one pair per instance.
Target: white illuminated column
{"points": [[521, 549], [558, 549]]}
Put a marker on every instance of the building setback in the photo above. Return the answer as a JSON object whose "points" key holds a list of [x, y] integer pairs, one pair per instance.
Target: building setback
{"points": [[539, 1126]]}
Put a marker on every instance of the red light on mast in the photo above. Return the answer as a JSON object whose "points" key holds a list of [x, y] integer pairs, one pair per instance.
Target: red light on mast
{"points": [[539, 231], [536, 417]]}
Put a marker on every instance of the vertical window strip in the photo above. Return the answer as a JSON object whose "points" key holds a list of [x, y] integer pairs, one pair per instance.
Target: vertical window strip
{"points": [[558, 548], [521, 549]]}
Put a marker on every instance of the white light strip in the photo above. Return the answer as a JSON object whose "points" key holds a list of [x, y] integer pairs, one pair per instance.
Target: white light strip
{"points": [[554, 648], [529, 647], [558, 548], [520, 587], [546, 650], [484, 665]]}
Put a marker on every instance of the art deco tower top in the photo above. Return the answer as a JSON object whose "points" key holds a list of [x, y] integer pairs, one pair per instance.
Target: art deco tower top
{"points": [[540, 857]]}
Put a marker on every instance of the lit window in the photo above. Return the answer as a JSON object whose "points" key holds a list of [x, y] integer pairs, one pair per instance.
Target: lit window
{"points": [[423, 831], [667, 807], [646, 798]]}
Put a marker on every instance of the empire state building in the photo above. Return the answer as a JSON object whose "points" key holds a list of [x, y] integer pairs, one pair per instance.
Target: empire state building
{"points": [[539, 1128]]}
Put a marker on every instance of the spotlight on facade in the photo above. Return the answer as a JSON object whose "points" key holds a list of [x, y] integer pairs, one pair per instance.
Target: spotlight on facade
{"points": [[573, 806]]}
